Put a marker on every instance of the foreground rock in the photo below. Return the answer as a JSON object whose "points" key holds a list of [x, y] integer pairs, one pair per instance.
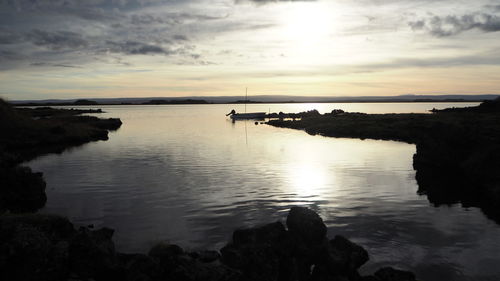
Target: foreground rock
{"points": [[43, 248], [458, 150]]}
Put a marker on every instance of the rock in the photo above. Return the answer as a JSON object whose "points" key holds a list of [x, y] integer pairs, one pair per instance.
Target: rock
{"points": [[21, 190], [24, 255], [92, 254], [259, 253], [391, 274], [269, 233], [346, 255], [137, 267], [165, 251], [213, 272], [368, 278], [205, 256], [34, 247], [306, 225], [48, 248]]}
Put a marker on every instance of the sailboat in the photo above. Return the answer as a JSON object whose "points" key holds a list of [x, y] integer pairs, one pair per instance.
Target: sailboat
{"points": [[242, 116]]}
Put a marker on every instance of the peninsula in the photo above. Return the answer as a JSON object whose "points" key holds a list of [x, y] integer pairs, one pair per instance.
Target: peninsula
{"points": [[458, 149]]}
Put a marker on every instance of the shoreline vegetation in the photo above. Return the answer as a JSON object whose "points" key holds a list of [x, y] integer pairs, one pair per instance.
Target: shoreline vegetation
{"points": [[454, 149], [29, 133], [457, 155]]}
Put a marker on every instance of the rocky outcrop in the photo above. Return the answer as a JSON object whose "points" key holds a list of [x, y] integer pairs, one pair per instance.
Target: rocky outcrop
{"points": [[21, 190], [44, 247], [303, 252], [30, 132], [458, 150]]}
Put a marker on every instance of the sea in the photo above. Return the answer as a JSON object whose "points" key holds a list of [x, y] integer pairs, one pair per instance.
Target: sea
{"points": [[188, 175]]}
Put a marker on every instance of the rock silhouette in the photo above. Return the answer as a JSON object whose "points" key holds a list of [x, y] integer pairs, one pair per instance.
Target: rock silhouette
{"points": [[44, 247], [30, 132]]}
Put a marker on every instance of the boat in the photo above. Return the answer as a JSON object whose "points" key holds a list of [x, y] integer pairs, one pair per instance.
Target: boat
{"points": [[251, 115], [242, 116]]}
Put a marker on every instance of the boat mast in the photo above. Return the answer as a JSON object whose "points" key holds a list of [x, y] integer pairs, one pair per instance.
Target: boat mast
{"points": [[246, 97]]}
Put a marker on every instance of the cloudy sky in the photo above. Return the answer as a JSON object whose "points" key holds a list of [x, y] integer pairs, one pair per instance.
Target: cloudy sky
{"points": [[134, 48]]}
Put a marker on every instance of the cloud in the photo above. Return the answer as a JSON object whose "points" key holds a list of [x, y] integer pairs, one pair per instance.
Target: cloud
{"points": [[136, 48], [54, 65], [57, 40], [9, 37], [271, 1], [180, 37], [452, 25]]}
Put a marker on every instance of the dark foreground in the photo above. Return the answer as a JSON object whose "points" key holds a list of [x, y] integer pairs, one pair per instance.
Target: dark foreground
{"points": [[42, 247], [458, 149]]}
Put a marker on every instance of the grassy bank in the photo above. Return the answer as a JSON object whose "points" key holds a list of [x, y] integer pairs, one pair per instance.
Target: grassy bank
{"points": [[28, 133]]}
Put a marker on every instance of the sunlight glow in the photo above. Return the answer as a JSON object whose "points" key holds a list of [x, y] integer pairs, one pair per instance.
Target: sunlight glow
{"points": [[307, 23], [308, 180]]}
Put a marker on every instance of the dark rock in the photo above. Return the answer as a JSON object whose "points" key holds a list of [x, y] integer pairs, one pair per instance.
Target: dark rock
{"points": [[137, 267], [56, 228], [268, 234], [213, 272], [346, 255], [305, 224], [391, 274], [205, 256], [368, 278], [260, 253], [92, 254], [21, 190], [25, 255], [33, 247], [165, 251]]}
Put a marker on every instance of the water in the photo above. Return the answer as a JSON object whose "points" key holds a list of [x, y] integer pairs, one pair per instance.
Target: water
{"points": [[188, 175]]}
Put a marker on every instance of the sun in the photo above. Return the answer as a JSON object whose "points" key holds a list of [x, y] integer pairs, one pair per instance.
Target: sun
{"points": [[307, 22]]}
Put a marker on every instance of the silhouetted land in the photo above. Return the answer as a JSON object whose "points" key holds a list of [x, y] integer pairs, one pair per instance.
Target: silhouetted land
{"points": [[49, 248], [458, 149], [186, 101], [28, 133]]}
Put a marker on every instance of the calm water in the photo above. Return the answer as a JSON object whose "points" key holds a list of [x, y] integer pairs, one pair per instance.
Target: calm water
{"points": [[188, 175]]}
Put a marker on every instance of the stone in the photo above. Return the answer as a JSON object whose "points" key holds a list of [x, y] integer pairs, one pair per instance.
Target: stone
{"points": [[268, 233], [391, 274], [92, 253], [306, 225], [206, 256], [346, 255], [165, 251], [260, 253]]}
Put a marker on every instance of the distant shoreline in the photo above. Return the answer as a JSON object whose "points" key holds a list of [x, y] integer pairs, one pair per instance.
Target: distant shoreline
{"points": [[254, 99], [204, 102]]}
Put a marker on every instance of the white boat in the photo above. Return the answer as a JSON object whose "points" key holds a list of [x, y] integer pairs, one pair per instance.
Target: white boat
{"points": [[251, 115]]}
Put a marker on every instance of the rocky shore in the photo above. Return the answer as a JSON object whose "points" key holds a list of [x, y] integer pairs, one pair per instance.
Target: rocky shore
{"points": [[44, 247], [27, 133], [458, 150]]}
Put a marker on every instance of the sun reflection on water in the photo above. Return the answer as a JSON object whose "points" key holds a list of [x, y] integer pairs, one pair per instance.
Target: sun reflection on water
{"points": [[307, 180]]}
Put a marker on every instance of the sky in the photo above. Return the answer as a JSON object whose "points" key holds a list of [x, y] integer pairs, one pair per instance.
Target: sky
{"points": [[66, 49]]}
